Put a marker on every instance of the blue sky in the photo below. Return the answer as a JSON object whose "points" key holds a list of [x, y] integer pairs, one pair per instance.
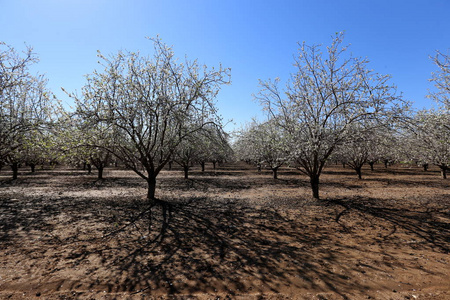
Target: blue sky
{"points": [[256, 39]]}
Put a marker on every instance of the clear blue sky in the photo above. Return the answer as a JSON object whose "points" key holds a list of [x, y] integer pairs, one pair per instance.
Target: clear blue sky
{"points": [[257, 39]]}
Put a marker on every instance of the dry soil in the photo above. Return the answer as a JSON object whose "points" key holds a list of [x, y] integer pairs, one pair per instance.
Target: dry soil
{"points": [[232, 233]]}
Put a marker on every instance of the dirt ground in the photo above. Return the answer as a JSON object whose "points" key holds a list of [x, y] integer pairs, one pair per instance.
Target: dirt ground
{"points": [[233, 233]]}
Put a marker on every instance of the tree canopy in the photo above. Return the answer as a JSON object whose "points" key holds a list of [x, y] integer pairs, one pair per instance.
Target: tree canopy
{"points": [[324, 97], [151, 105]]}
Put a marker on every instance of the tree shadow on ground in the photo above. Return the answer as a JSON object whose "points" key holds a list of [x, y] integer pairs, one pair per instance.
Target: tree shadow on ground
{"points": [[200, 246], [203, 245], [428, 222], [434, 181]]}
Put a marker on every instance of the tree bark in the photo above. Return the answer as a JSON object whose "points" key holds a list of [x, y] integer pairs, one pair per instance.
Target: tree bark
{"points": [[275, 173], [151, 182], [358, 171], [203, 166], [444, 172], [371, 165], [214, 165], [186, 172], [425, 167], [89, 168], [314, 179], [33, 167], [100, 172], [15, 169]]}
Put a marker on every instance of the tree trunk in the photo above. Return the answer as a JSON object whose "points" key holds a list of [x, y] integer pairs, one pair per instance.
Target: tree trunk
{"points": [[343, 165], [314, 179], [15, 169], [425, 167], [100, 172], [203, 166], [214, 165], [358, 171], [186, 172], [371, 165], [89, 168], [170, 165], [151, 182], [444, 172], [275, 173], [386, 163], [33, 167]]}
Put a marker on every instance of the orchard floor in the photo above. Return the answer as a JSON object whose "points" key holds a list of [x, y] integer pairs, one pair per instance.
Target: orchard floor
{"points": [[230, 234]]}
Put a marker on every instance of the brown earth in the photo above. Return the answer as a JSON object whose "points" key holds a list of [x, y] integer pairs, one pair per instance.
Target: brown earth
{"points": [[229, 234]]}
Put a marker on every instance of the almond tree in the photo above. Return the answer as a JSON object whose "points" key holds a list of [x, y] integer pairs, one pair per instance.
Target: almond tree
{"points": [[409, 148], [324, 97], [365, 146], [266, 144], [208, 145], [245, 149], [213, 147], [220, 151], [38, 148], [355, 152], [151, 105], [85, 143], [429, 139], [187, 154], [441, 79], [386, 144], [24, 104], [430, 130]]}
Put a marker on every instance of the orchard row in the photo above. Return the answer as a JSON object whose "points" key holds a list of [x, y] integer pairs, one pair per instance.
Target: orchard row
{"points": [[147, 112]]}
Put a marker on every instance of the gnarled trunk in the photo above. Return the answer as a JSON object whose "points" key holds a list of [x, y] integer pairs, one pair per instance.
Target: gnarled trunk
{"points": [[314, 179], [100, 172], [358, 171], [186, 172], [151, 187], [444, 171], [15, 170], [275, 172]]}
